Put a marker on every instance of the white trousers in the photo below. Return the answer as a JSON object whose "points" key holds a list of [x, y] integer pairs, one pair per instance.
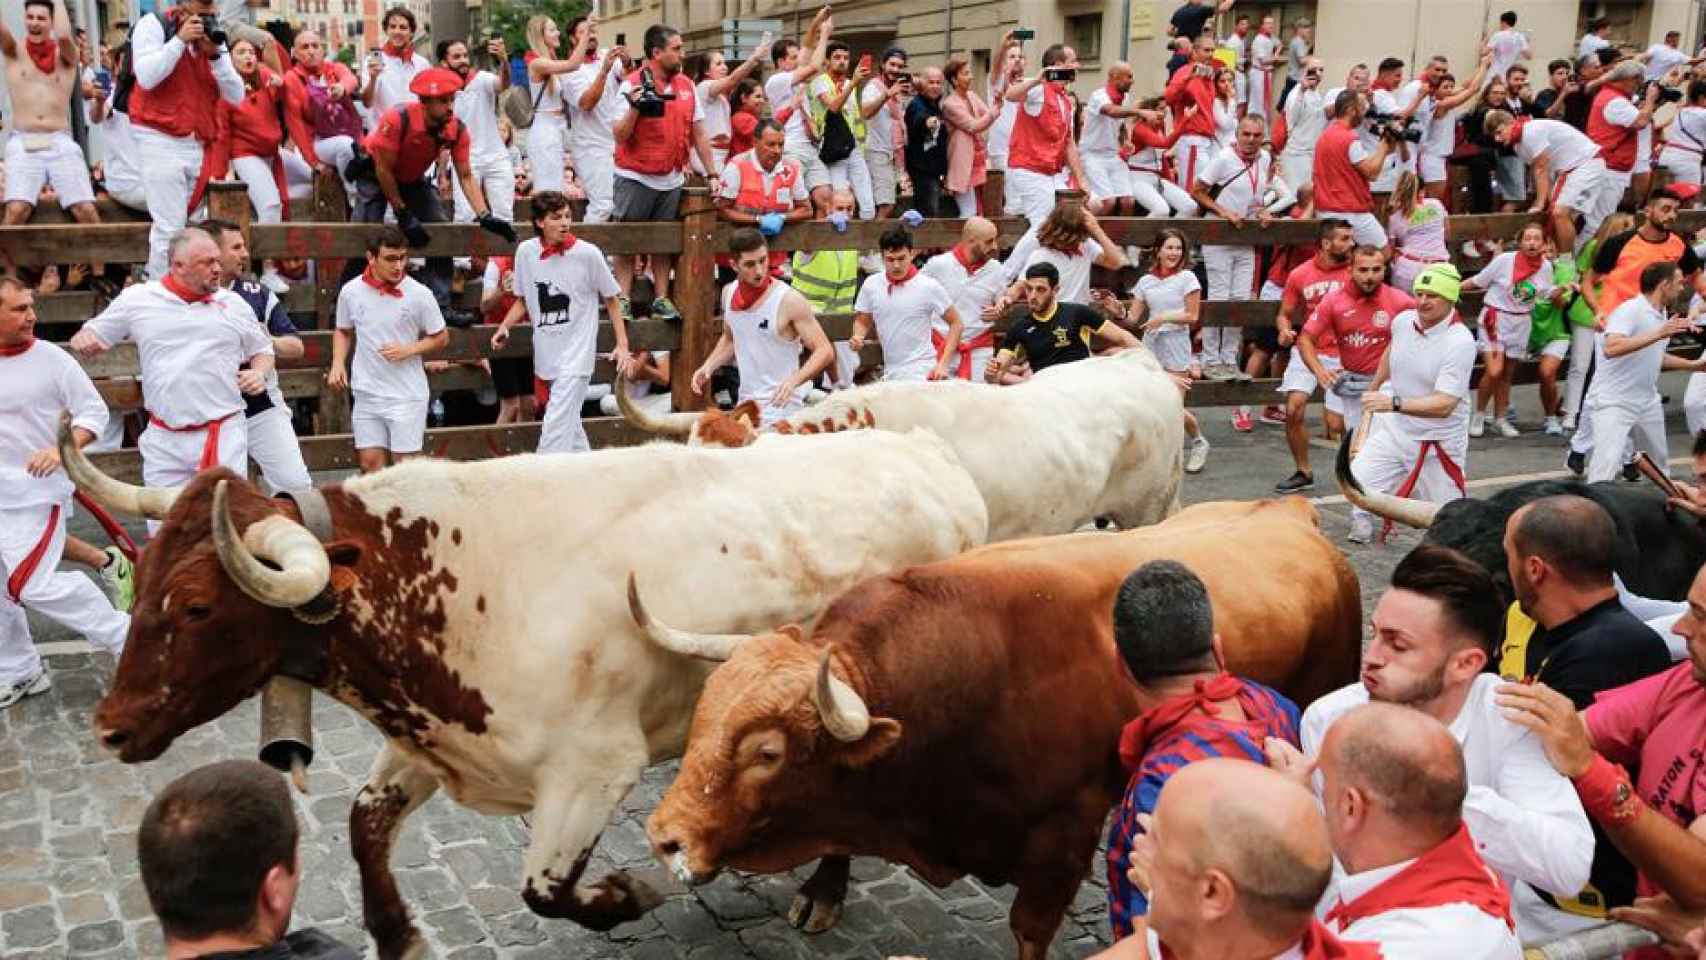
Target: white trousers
{"points": [[545, 151], [274, 448], [853, 173], [34, 160], [337, 152], [1158, 196], [1581, 357], [170, 167], [1694, 403], [256, 174], [1613, 424], [966, 202], [1364, 226], [1231, 275], [1191, 155], [1261, 93], [562, 430], [170, 458], [65, 596], [1299, 170], [1388, 456], [596, 169], [1030, 194], [497, 180]]}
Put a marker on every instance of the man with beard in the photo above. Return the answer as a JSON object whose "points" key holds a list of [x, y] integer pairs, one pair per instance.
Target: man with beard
{"points": [[476, 105], [1432, 633], [1305, 288]]}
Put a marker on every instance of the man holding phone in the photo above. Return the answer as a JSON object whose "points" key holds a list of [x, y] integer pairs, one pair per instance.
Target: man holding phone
{"points": [[1042, 151], [885, 127]]}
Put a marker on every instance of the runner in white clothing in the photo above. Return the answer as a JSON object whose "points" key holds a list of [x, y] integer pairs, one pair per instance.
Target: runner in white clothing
{"points": [[192, 336], [41, 381], [1565, 167], [477, 108], [766, 325], [395, 321], [561, 283], [904, 307], [1514, 281], [796, 66], [978, 283]]}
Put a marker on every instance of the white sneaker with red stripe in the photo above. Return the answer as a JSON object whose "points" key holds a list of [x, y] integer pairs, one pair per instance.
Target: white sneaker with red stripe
{"points": [[29, 686]]}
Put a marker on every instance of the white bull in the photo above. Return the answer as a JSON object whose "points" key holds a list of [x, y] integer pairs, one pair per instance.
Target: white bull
{"points": [[479, 617], [1098, 437]]}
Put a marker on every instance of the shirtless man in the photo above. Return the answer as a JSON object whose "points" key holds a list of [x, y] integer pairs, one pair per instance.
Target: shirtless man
{"points": [[41, 151]]}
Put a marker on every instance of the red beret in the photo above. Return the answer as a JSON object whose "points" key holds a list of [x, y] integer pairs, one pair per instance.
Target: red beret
{"points": [[437, 82], [1685, 191]]}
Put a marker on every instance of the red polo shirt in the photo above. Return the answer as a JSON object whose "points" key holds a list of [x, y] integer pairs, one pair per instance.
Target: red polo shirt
{"points": [[1362, 325], [415, 152]]}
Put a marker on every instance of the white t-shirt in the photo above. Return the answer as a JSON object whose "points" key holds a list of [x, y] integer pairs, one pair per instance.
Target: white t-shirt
{"points": [[1632, 379], [477, 108], [1497, 279], [592, 129], [40, 382], [1439, 134], [664, 181], [1661, 57], [1162, 295], [1101, 134], [715, 110], [393, 82], [1305, 121], [972, 292], [1001, 132], [780, 90], [1242, 185], [378, 319], [189, 352], [879, 126], [1263, 49], [1456, 930], [1688, 130], [1508, 46], [1591, 43], [1621, 112], [565, 294], [1439, 360], [1563, 145], [1074, 269], [903, 317]]}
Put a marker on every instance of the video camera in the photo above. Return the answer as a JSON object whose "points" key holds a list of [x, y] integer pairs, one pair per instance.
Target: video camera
{"points": [[1666, 94], [1389, 126], [650, 103], [1060, 75]]}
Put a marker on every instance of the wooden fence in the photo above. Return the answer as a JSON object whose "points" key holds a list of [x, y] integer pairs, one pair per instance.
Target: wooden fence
{"points": [[694, 240]]}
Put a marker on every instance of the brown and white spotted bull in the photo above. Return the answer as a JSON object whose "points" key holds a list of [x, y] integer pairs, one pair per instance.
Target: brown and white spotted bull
{"points": [[476, 613], [1099, 437], [963, 717]]}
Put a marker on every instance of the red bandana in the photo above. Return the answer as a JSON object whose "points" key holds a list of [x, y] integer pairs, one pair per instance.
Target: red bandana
{"points": [[388, 289], [20, 348], [1162, 273], [1115, 95], [1514, 137], [548, 250], [1134, 739], [911, 271], [746, 295], [1525, 267], [306, 71], [182, 292], [1319, 943], [1449, 873], [45, 53], [972, 266], [404, 52]]}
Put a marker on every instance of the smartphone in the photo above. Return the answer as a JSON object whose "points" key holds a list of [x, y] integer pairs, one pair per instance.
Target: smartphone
{"points": [[865, 63], [1023, 35], [621, 40]]}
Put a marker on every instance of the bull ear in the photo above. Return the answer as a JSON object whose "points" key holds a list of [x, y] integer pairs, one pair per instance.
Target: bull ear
{"points": [[876, 744], [344, 555], [747, 410], [793, 632]]}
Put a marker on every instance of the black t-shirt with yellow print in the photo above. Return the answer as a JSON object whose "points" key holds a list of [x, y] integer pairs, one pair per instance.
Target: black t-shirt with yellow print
{"points": [[1060, 337]]}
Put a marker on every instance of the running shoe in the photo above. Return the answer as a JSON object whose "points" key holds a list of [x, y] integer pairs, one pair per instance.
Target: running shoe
{"points": [[38, 682], [1198, 457], [1362, 530], [1477, 424], [1553, 428], [1273, 416], [1296, 483], [1576, 463], [1506, 429], [120, 579]]}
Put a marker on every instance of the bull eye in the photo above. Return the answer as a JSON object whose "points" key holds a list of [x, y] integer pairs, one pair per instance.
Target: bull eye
{"points": [[197, 611]]}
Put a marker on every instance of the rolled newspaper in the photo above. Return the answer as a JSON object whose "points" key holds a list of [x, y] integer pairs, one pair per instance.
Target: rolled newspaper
{"points": [[1604, 942]]}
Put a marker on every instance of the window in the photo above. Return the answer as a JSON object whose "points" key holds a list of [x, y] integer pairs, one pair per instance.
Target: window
{"points": [[1084, 35]]}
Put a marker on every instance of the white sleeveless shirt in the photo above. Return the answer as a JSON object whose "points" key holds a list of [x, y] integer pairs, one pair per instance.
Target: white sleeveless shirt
{"points": [[764, 358]]}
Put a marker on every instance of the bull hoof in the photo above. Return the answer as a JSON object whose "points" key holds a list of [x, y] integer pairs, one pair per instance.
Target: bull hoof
{"points": [[403, 944], [813, 916], [616, 899]]}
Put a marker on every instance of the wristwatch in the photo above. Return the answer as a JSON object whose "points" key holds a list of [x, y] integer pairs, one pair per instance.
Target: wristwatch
{"points": [[1397, 404]]}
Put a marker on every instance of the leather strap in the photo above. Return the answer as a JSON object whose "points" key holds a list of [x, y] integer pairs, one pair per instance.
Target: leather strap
{"points": [[304, 661], [316, 515]]}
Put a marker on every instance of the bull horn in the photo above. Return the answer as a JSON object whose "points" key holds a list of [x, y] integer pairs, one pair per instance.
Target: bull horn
{"points": [[668, 424], [287, 728], [1411, 513], [844, 713], [715, 647], [151, 503], [303, 570]]}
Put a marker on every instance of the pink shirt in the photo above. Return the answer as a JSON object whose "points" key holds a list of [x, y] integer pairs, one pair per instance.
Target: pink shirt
{"points": [[1361, 325], [1421, 235], [1657, 728]]}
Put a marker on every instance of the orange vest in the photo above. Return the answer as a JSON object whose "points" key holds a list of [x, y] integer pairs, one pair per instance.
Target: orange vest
{"points": [[754, 197], [1039, 142], [1624, 281], [184, 104], [659, 144], [1616, 144]]}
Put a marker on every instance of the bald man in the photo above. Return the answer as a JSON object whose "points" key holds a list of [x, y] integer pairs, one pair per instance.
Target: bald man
{"points": [[319, 108], [972, 275], [1235, 861], [1393, 785], [1108, 108]]}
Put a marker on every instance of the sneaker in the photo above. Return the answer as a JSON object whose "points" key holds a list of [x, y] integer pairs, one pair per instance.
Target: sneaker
{"points": [[1362, 529], [1477, 424], [29, 686], [1273, 416], [1296, 483], [1241, 375], [1505, 428], [120, 579], [664, 309], [1198, 457], [1576, 463], [272, 281], [1631, 472], [1553, 428], [1569, 424], [1219, 372], [1242, 421]]}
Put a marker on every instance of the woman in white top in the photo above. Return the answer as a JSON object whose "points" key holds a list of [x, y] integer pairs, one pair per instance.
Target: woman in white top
{"points": [[545, 137], [713, 80], [1167, 303], [1072, 240], [1010, 68], [1684, 151], [1417, 229], [1225, 108]]}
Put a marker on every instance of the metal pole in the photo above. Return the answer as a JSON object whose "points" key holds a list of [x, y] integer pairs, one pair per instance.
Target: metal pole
{"points": [[1125, 35]]}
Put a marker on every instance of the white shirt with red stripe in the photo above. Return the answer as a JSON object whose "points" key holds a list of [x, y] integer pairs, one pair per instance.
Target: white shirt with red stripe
{"points": [[1498, 278], [1438, 360], [1563, 146], [38, 384], [972, 290], [378, 319], [189, 352]]}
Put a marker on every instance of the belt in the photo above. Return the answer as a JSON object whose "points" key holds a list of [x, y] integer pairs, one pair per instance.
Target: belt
{"points": [[209, 448], [21, 577], [963, 370], [1410, 256]]}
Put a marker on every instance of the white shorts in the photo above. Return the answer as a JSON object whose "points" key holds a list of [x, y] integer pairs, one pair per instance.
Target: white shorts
{"points": [[1367, 229], [1300, 379], [1559, 349], [1432, 168], [813, 171], [1172, 346], [1684, 165], [1299, 170], [1581, 187], [1108, 176], [395, 425], [1271, 291], [1506, 333], [880, 166], [36, 159]]}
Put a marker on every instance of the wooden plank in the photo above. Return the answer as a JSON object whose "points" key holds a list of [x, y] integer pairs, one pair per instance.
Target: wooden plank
{"points": [[110, 211], [302, 298], [67, 307], [298, 240], [696, 297], [37, 245], [863, 234]]}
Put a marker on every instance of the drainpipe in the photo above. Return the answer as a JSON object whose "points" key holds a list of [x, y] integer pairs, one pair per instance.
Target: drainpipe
{"points": [[1125, 35], [948, 34]]}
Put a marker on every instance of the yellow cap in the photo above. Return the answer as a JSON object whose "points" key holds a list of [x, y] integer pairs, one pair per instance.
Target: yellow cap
{"points": [[1440, 279]]}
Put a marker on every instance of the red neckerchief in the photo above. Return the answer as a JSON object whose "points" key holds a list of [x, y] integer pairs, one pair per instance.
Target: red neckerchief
{"points": [[45, 54], [911, 271], [1162, 273], [746, 295], [1449, 873], [1525, 267], [1135, 738], [307, 72], [547, 250], [1515, 136], [182, 292], [20, 348], [1115, 95], [388, 289], [404, 52], [970, 265], [1320, 943]]}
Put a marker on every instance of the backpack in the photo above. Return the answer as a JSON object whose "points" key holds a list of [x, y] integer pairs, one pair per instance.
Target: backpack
{"points": [[124, 62], [837, 143]]}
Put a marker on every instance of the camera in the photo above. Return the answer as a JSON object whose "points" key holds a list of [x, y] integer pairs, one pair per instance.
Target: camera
{"points": [[215, 33], [1666, 94], [1060, 74], [650, 103], [1387, 125]]}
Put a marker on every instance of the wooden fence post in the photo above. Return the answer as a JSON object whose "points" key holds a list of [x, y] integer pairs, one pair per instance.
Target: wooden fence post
{"points": [[229, 200], [995, 195], [695, 295], [330, 205]]}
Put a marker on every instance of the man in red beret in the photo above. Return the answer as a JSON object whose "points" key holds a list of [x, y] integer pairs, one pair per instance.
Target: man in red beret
{"points": [[404, 146]]}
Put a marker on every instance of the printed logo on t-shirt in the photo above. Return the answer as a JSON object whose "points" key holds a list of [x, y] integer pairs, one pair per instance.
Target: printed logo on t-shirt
{"points": [[1060, 337], [1524, 292], [554, 305], [1381, 319]]}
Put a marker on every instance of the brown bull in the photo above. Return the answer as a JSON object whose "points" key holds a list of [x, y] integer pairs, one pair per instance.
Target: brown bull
{"points": [[962, 717]]}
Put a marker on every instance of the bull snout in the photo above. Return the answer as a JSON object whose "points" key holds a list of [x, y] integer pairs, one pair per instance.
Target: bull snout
{"points": [[112, 739], [672, 854]]}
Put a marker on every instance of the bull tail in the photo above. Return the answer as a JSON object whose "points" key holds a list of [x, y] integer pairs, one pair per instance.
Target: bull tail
{"points": [[669, 424], [1411, 513]]}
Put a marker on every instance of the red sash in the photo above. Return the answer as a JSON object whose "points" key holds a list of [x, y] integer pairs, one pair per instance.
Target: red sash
{"points": [[21, 577], [1452, 470], [963, 369], [1449, 873], [209, 448]]}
